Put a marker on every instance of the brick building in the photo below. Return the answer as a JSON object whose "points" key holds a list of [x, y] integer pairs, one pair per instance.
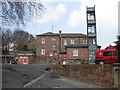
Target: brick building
{"points": [[78, 51], [51, 44]]}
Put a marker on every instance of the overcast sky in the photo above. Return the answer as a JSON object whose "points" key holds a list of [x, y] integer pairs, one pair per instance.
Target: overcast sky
{"points": [[70, 16]]}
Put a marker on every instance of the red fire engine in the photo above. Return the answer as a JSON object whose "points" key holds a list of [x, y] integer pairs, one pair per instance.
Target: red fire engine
{"points": [[106, 56]]}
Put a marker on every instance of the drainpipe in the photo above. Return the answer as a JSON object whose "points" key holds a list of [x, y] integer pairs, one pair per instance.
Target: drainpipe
{"points": [[60, 49]]}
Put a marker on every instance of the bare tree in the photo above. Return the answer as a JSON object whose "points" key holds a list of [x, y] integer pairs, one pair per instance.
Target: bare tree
{"points": [[6, 40], [17, 13]]}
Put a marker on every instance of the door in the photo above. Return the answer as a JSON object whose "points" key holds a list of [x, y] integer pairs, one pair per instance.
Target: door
{"points": [[55, 54], [107, 57], [115, 57], [25, 60]]}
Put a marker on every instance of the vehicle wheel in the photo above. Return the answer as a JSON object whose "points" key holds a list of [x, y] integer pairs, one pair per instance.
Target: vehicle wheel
{"points": [[101, 62]]}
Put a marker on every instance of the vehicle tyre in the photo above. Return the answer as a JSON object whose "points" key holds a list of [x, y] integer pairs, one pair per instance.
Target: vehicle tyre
{"points": [[101, 62]]}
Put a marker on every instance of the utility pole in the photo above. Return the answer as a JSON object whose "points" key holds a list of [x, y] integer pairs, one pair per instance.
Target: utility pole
{"points": [[91, 34]]}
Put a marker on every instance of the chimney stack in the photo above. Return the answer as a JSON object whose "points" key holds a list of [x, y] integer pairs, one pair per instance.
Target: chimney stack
{"points": [[60, 31]]}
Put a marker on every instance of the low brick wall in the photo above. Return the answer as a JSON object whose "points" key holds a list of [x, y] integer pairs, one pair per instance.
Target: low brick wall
{"points": [[96, 74]]}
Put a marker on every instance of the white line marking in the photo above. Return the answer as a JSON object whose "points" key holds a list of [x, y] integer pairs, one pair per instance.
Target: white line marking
{"points": [[33, 81]]}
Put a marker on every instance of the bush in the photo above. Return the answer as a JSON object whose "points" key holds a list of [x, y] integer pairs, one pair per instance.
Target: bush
{"points": [[118, 48]]}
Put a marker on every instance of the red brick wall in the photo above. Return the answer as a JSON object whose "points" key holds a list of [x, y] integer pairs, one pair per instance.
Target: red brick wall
{"points": [[47, 46], [82, 53], [95, 74], [77, 40]]}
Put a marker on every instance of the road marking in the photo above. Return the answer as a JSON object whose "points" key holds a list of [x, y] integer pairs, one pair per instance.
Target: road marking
{"points": [[33, 81]]}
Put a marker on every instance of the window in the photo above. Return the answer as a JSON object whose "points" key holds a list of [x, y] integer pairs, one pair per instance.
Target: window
{"points": [[107, 53], [51, 53], [53, 39], [75, 52], [85, 41], [53, 44], [43, 51], [43, 40], [65, 41], [72, 41], [55, 53], [114, 53]]}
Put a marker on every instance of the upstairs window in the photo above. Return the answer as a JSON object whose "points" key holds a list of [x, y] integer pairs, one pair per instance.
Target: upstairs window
{"points": [[65, 41], [43, 51], [53, 39], [53, 44], [43, 40], [72, 41], [85, 41], [75, 52]]}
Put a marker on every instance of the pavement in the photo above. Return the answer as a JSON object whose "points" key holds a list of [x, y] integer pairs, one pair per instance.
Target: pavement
{"points": [[36, 76]]}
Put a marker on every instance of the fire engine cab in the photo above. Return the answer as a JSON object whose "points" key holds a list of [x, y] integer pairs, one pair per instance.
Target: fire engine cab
{"points": [[106, 56]]}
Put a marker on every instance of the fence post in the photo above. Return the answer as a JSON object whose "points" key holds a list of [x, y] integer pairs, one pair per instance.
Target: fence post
{"points": [[116, 75]]}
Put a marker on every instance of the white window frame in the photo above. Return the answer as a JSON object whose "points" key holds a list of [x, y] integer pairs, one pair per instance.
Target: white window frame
{"points": [[72, 41], [51, 54], [43, 51], [53, 39], [53, 45], [43, 40], [65, 41], [75, 52], [84, 41]]}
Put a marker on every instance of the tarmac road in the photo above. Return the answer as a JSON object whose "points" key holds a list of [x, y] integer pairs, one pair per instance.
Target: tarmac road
{"points": [[35, 76]]}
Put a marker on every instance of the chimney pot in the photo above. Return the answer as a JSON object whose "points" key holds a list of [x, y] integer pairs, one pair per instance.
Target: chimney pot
{"points": [[60, 31]]}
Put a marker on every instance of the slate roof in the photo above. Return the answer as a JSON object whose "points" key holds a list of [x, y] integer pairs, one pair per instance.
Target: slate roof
{"points": [[48, 34], [63, 34], [79, 46], [73, 35], [13, 55]]}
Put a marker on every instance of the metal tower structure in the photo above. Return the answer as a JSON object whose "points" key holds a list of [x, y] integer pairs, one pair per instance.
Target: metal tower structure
{"points": [[91, 34]]}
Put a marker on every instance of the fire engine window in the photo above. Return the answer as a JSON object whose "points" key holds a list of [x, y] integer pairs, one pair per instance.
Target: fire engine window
{"points": [[114, 53], [107, 53]]}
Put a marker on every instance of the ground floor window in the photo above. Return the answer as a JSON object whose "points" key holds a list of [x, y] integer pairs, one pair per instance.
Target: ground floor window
{"points": [[55, 54], [75, 52], [43, 51], [51, 54]]}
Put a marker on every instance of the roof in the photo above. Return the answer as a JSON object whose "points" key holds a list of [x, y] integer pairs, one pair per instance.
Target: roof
{"points": [[63, 34], [73, 35], [79, 46], [110, 47], [13, 55], [48, 34], [63, 52], [32, 48]]}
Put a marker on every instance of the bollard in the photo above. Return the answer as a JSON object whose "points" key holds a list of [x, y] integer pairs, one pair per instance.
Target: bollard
{"points": [[116, 75]]}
